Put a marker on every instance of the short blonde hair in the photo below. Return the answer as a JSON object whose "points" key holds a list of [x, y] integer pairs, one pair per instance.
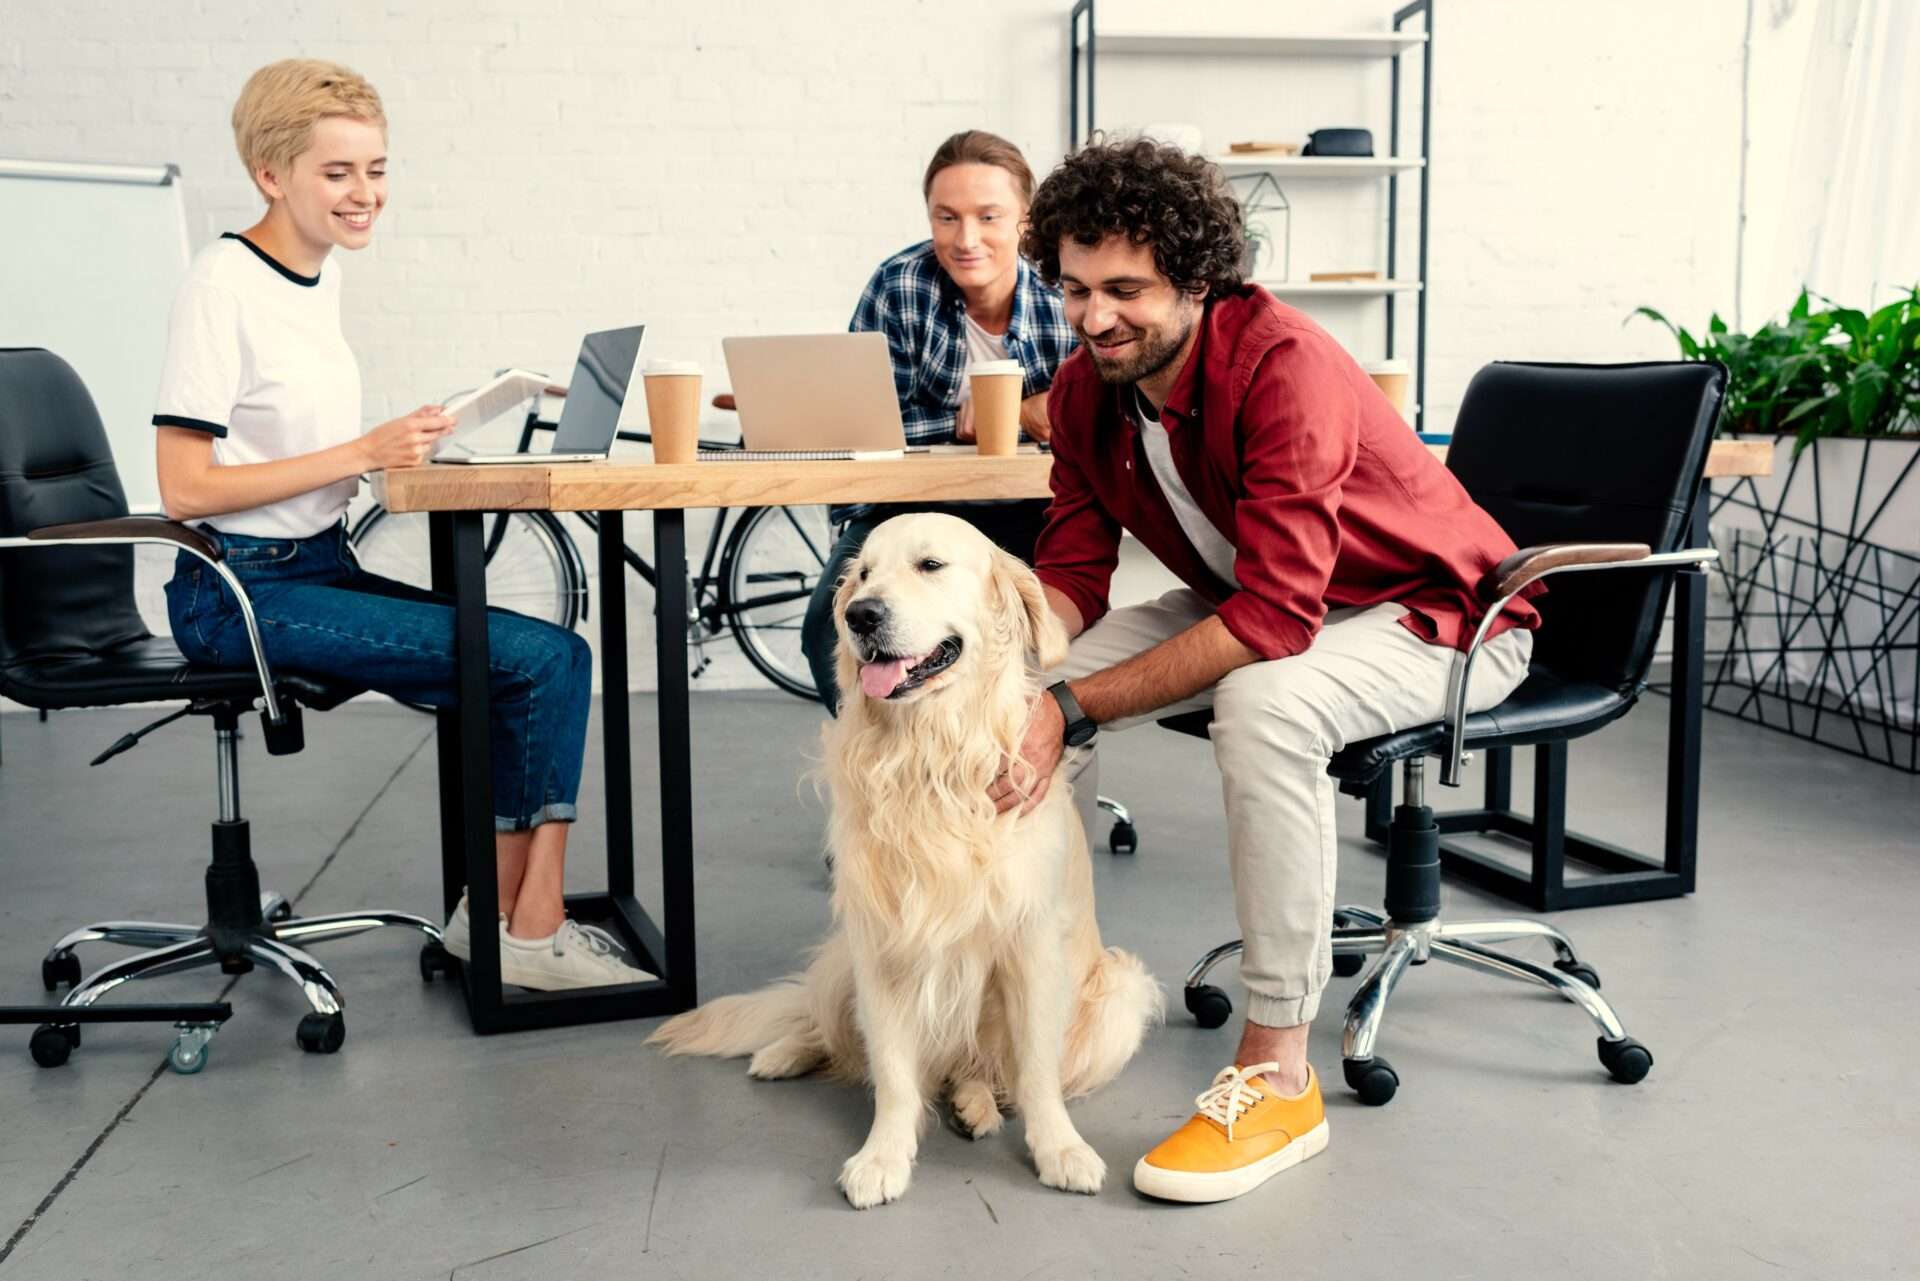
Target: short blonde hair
{"points": [[274, 118]]}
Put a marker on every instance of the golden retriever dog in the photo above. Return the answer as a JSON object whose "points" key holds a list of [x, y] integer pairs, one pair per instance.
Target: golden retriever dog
{"points": [[964, 958]]}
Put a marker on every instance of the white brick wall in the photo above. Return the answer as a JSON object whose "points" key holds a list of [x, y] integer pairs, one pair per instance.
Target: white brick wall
{"points": [[739, 167]]}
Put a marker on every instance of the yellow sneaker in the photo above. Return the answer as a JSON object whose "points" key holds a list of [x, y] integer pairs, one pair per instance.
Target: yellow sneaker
{"points": [[1243, 1135]]}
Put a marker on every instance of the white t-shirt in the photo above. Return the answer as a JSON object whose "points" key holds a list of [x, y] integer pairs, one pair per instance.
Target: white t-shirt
{"points": [[1205, 536], [255, 358], [981, 345]]}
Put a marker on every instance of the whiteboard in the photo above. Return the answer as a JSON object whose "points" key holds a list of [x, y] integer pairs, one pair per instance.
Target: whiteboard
{"points": [[90, 256]]}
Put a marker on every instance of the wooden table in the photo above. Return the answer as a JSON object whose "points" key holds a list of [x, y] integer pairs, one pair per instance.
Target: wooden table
{"points": [[456, 497]]}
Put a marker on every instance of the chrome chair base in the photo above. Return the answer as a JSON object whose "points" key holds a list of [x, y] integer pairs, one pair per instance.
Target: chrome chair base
{"points": [[1395, 948], [278, 944]]}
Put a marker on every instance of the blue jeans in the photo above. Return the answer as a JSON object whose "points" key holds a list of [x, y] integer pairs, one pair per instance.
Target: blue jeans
{"points": [[321, 614]]}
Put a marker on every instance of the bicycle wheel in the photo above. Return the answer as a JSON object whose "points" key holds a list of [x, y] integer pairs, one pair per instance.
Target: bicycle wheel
{"points": [[533, 569], [773, 559]]}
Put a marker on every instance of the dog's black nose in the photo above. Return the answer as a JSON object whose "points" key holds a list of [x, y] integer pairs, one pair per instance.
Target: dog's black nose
{"points": [[864, 617]]}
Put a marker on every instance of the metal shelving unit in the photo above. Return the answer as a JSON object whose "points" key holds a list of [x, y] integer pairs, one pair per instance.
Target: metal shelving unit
{"points": [[1085, 44]]}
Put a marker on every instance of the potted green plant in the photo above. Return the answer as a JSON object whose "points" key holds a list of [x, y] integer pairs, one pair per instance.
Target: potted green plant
{"points": [[1835, 371], [1821, 560]]}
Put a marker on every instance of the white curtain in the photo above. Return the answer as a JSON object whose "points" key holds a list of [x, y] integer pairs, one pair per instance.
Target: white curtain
{"points": [[1834, 198]]}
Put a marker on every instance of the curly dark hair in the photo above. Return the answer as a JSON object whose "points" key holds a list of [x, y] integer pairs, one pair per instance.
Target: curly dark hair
{"points": [[1151, 193]]}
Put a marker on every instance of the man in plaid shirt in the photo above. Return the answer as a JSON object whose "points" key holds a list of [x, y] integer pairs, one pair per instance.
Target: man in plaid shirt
{"points": [[965, 295]]}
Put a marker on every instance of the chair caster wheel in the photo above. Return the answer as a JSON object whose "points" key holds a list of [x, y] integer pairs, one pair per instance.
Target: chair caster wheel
{"points": [[1374, 1079], [1580, 970], [322, 1033], [52, 1045], [1626, 1060], [1348, 966], [55, 970], [1124, 838], [434, 961], [1208, 1005], [189, 1051]]}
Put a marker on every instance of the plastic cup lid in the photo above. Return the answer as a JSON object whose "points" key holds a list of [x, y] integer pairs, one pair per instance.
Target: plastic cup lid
{"points": [[1389, 367], [656, 367], [995, 367]]}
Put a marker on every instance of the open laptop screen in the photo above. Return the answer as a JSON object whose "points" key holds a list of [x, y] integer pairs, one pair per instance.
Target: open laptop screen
{"points": [[598, 390]]}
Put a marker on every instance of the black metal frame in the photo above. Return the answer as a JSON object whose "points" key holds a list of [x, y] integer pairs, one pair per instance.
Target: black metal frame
{"points": [[1623, 876], [1424, 10], [1421, 9], [1792, 579], [466, 803]]}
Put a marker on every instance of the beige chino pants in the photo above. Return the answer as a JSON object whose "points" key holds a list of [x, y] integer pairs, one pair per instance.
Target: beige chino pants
{"points": [[1275, 726]]}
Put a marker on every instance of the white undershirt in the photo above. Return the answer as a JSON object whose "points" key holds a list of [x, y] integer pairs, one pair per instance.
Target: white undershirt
{"points": [[256, 359], [1206, 538], [981, 345]]}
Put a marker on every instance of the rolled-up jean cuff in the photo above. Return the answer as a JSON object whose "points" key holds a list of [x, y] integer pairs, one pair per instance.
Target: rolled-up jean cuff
{"points": [[1282, 1011], [545, 814]]}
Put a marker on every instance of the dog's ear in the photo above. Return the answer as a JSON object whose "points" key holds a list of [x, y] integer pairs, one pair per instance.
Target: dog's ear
{"points": [[846, 667], [1020, 594]]}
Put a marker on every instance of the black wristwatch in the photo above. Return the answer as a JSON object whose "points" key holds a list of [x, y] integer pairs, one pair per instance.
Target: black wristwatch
{"points": [[1080, 727]]}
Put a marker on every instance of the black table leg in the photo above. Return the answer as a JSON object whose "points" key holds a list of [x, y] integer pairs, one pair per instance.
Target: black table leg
{"points": [[615, 722], [453, 849], [474, 750], [676, 759], [466, 802], [1685, 697]]}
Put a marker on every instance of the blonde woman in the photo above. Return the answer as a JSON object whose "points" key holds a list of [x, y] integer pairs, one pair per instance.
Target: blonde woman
{"points": [[260, 445]]}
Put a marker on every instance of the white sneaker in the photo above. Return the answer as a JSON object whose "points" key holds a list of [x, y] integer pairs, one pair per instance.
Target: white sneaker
{"points": [[457, 937], [572, 956]]}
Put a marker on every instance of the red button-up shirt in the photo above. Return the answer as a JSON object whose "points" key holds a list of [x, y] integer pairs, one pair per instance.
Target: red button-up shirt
{"points": [[1298, 460]]}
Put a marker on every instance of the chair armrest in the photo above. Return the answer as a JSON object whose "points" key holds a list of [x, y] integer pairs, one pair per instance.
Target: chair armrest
{"points": [[132, 530], [1532, 563], [133, 527], [1514, 574]]}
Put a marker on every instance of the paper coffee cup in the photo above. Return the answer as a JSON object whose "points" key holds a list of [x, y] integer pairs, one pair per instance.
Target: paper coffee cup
{"points": [[996, 387], [1392, 377], [673, 409]]}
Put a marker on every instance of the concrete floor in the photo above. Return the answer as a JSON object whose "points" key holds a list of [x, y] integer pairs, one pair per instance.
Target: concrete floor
{"points": [[1776, 1137]]}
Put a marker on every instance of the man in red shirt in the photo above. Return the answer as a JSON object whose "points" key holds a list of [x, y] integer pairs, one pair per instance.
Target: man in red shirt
{"points": [[1330, 564]]}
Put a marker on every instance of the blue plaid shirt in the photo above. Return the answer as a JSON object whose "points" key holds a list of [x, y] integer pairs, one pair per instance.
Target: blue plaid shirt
{"points": [[917, 306]]}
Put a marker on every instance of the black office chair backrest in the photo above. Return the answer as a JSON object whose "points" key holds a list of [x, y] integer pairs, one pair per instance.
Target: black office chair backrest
{"points": [[1591, 453], [55, 467]]}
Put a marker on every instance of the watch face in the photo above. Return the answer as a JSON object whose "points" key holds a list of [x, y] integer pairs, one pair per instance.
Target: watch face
{"points": [[1080, 735]]}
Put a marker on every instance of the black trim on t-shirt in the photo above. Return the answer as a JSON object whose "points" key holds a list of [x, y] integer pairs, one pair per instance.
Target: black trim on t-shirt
{"points": [[191, 424], [271, 261]]}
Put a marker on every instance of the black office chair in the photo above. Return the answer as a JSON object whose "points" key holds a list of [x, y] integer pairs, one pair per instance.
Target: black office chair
{"points": [[1587, 468], [70, 637]]}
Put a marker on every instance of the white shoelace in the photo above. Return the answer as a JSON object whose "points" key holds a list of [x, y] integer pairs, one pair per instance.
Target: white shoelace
{"points": [[1231, 1094], [596, 940]]}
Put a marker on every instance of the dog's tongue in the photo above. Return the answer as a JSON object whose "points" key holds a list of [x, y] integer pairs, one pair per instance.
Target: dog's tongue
{"points": [[881, 679]]}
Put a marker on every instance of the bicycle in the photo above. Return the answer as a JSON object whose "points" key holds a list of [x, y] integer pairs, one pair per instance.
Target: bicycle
{"points": [[755, 579]]}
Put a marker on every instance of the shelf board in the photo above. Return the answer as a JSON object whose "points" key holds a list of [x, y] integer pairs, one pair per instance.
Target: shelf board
{"points": [[1349, 44], [1318, 166], [1337, 288]]}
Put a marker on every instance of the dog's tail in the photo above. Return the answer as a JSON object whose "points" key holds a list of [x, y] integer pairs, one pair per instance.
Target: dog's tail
{"points": [[1119, 1001], [733, 1026]]}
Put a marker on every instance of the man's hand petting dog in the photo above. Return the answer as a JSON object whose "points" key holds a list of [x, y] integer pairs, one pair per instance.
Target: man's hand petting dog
{"points": [[1040, 750]]}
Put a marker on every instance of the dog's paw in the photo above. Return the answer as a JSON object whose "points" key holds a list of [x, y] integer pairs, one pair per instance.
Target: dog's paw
{"points": [[1075, 1167], [975, 1110], [873, 1178], [786, 1057]]}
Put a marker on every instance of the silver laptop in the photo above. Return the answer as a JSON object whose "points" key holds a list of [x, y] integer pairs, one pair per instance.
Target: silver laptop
{"points": [[601, 375], [813, 396]]}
